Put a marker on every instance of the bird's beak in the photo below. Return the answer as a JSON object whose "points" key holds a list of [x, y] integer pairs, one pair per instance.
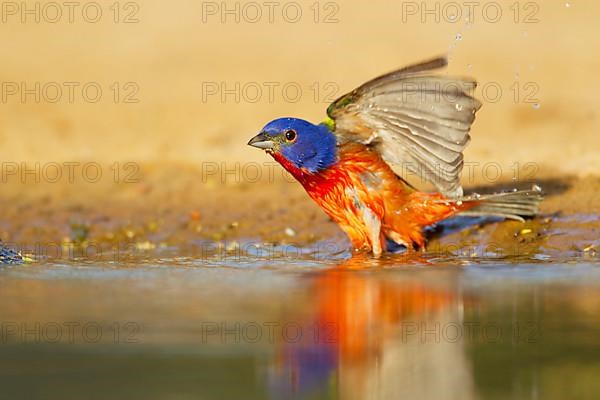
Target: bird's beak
{"points": [[261, 141]]}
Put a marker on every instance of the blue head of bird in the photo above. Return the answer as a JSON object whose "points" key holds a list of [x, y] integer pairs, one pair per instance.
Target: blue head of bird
{"points": [[307, 146]]}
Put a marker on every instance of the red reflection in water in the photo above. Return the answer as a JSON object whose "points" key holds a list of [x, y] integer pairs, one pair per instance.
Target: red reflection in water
{"points": [[355, 314]]}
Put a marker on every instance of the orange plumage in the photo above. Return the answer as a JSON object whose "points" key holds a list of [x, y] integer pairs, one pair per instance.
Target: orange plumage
{"points": [[362, 183]]}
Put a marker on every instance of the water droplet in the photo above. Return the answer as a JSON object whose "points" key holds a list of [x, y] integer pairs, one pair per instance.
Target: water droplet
{"points": [[459, 107], [536, 106], [567, 5], [452, 17], [458, 36]]}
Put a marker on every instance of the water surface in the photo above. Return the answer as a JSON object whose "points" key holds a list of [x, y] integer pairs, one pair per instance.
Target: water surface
{"points": [[177, 327]]}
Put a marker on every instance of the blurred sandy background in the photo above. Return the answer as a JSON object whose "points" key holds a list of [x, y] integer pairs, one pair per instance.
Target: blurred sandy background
{"points": [[171, 55]]}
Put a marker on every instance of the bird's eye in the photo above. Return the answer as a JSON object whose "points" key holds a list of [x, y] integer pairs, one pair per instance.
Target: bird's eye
{"points": [[290, 135]]}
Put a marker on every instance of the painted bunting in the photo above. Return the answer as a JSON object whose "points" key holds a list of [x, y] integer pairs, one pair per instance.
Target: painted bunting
{"points": [[408, 117]]}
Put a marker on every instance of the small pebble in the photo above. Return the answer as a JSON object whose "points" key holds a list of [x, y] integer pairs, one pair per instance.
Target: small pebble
{"points": [[232, 246], [145, 245], [290, 232]]}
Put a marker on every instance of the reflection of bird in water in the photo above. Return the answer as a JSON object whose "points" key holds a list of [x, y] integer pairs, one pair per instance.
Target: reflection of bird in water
{"points": [[361, 351]]}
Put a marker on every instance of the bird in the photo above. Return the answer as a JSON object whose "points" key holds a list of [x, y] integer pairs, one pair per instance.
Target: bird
{"points": [[348, 164]]}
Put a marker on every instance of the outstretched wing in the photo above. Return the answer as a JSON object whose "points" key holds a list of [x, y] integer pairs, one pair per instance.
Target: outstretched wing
{"points": [[414, 120]]}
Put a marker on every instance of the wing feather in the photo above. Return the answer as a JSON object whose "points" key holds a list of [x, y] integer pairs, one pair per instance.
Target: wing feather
{"points": [[412, 116]]}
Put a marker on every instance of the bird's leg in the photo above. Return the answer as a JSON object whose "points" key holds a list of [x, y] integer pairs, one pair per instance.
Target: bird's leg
{"points": [[371, 222], [396, 238], [409, 245], [373, 226]]}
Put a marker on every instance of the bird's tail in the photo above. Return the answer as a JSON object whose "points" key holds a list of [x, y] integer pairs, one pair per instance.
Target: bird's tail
{"points": [[511, 205]]}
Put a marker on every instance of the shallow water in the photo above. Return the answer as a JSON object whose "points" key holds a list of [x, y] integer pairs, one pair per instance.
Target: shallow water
{"points": [[175, 327]]}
